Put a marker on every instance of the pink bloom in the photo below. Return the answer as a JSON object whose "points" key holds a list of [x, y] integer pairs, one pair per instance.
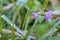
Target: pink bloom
{"points": [[48, 15], [35, 15]]}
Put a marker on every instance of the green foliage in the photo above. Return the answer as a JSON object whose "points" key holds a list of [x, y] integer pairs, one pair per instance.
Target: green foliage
{"points": [[57, 37], [41, 29], [22, 20]]}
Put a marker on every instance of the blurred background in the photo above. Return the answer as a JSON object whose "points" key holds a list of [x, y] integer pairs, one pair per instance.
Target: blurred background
{"points": [[17, 21]]}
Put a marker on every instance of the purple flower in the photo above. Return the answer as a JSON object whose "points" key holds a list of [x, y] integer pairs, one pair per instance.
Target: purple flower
{"points": [[34, 15], [48, 15]]}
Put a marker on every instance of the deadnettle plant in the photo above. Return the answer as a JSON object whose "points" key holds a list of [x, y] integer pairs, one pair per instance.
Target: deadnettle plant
{"points": [[35, 15], [48, 15]]}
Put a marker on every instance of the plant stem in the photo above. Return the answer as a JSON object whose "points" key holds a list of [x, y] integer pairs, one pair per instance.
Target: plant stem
{"points": [[28, 34], [1, 21], [17, 11], [13, 31], [44, 5]]}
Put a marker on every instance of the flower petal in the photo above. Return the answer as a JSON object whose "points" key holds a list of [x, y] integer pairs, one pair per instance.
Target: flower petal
{"points": [[35, 15], [48, 15]]}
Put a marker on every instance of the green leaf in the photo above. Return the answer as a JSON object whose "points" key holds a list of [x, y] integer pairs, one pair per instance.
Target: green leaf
{"points": [[40, 19], [41, 29], [54, 38]]}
